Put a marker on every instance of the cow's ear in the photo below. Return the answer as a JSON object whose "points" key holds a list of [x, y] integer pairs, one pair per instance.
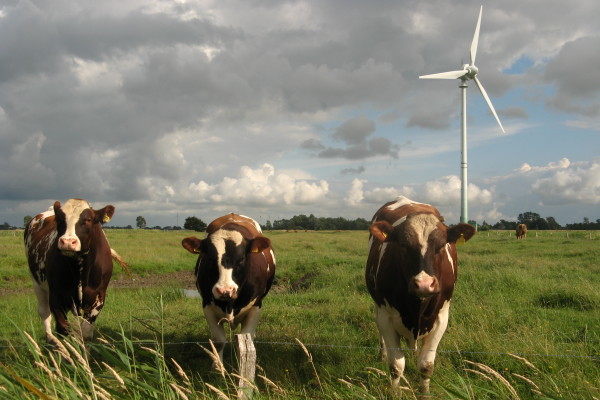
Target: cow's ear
{"points": [[381, 230], [104, 214], [259, 244], [192, 244], [465, 230]]}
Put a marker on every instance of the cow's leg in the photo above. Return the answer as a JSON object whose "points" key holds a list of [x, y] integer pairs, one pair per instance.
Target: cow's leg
{"points": [[44, 310], [217, 332], [250, 322], [60, 315], [426, 358], [93, 301], [382, 351], [390, 339]]}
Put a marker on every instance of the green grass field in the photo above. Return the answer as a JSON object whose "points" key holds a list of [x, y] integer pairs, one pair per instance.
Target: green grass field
{"points": [[536, 299]]}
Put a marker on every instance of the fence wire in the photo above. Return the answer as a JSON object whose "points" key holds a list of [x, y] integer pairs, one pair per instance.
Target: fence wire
{"points": [[354, 347]]}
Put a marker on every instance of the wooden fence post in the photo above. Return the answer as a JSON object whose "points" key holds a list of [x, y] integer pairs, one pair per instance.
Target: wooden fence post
{"points": [[247, 365]]}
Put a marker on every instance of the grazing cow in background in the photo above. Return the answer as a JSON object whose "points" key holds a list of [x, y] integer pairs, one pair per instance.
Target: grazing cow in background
{"points": [[234, 272], [521, 231], [70, 262], [411, 271]]}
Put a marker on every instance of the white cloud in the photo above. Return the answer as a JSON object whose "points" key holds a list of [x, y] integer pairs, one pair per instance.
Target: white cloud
{"points": [[561, 164], [578, 183], [446, 191], [355, 194], [262, 186]]}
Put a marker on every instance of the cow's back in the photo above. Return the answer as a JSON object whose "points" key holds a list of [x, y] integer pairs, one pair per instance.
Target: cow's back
{"points": [[248, 227], [395, 212]]}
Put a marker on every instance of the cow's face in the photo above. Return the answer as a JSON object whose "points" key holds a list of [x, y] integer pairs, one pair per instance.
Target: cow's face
{"points": [[419, 240], [75, 222], [225, 250]]}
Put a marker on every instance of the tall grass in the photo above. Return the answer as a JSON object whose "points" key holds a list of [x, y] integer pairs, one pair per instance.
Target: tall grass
{"points": [[525, 318], [124, 368]]}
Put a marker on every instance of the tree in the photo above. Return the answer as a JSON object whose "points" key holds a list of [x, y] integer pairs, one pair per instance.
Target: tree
{"points": [[194, 224], [140, 222], [27, 219], [552, 224], [503, 224], [484, 226]]}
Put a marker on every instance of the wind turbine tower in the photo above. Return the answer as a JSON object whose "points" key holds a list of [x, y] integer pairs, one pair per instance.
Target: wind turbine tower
{"points": [[469, 72]]}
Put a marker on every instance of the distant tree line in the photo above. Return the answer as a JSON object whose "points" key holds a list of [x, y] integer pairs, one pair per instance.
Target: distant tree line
{"points": [[7, 227], [585, 225], [310, 222], [303, 222], [535, 221]]}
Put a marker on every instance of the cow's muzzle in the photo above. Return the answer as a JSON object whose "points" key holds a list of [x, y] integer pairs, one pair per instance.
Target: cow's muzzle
{"points": [[225, 293], [69, 244], [424, 285]]}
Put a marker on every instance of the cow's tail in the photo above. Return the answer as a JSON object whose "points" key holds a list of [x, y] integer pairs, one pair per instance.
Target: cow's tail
{"points": [[117, 257]]}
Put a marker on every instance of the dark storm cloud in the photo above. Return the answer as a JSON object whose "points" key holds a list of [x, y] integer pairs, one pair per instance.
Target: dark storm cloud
{"points": [[355, 133], [575, 77], [353, 171], [355, 130]]}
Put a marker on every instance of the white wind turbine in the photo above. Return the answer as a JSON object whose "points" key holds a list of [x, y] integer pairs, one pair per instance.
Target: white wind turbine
{"points": [[469, 72]]}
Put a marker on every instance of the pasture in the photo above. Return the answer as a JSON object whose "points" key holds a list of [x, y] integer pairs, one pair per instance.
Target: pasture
{"points": [[525, 319]]}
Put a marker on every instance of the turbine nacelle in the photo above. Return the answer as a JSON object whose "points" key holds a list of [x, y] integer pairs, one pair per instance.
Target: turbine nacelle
{"points": [[471, 71]]}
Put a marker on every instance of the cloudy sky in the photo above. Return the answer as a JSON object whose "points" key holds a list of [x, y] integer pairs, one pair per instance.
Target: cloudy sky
{"points": [[268, 108]]}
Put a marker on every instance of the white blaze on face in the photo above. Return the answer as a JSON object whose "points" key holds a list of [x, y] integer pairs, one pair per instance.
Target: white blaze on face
{"points": [[225, 282], [72, 209], [423, 225]]}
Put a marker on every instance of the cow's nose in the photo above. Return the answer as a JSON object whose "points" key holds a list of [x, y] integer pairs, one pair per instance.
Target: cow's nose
{"points": [[225, 293], [424, 285], [68, 243]]}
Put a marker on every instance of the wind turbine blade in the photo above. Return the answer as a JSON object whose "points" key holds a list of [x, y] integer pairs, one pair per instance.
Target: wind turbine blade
{"points": [[487, 99], [476, 38], [445, 75]]}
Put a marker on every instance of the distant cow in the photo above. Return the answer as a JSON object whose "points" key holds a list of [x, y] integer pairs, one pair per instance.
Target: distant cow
{"points": [[70, 262], [521, 231], [411, 271], [234, 272]]}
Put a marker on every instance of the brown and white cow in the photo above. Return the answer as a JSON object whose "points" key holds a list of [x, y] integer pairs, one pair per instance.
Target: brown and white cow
{"points": [[70, 262], [234, 272], [411, 271], [521, 231]]}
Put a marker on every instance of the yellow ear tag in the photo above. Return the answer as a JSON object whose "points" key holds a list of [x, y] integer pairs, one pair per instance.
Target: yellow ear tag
{"points": [[255, 250], [105, 219], [461, 240], [197, 251], [384, 235]]}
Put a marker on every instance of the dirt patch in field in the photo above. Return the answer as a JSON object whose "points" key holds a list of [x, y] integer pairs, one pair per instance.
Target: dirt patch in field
{"points": [[182, 279], [179, 279]]}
